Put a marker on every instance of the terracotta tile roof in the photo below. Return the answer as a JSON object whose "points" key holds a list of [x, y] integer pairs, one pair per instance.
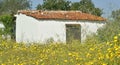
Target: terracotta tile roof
{"points": [[61, 15]]}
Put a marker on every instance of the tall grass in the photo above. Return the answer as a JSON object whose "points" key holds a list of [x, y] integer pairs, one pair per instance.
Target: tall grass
{"points": [[107, 53]]}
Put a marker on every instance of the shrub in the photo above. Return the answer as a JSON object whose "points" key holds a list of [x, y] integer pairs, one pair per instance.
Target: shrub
{"points": [[108, 31], [93, 38], [9, 24]]}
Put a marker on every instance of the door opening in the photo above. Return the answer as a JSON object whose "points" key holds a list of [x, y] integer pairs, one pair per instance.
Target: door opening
{"points": [[73, 33]]}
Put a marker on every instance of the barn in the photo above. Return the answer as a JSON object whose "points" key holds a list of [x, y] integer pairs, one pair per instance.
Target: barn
{"points": [[59, 26]]}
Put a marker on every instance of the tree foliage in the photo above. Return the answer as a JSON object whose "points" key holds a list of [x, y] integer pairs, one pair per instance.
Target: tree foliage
{"points": [[116, 14], [75, 6], [0, 5], [8, 8], [85, 6], [54, 5], [39, 7], [12, 6], [9, 24]]}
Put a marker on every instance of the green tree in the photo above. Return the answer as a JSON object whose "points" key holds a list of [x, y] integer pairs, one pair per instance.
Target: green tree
{"points": [[12, 6], [0, 5], [54, 5], [86, 6], [75, 6], [8, 8], [9, 24], [116, 14], [39, 7]]}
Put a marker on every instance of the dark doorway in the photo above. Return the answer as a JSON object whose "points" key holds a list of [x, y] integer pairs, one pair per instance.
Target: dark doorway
{"points": [[73, 33]]}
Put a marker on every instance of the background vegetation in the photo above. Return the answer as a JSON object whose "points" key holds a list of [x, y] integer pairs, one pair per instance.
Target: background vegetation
{"points": [[85, 6], [110, 29], [12, 6], [8, 8]]}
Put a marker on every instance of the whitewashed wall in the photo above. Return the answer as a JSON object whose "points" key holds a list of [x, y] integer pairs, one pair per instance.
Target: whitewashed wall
{"points": [[29, 29]]}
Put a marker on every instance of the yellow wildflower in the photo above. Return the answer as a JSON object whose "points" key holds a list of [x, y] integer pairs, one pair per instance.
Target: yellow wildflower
{"points": [[92, 49], [115, 37], [91, 63], [116, 47], [69, 54], [20, 64], [118, 54], [104, 64], [107, 56], [115, 40], [109, 50], [118, 34], [2, 64], [88, 55], [108, 43], [65, 61], [78, 64], [77, 58]]}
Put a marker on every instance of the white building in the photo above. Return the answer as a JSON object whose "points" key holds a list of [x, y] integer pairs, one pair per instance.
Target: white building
{"points": [[61, 26]]}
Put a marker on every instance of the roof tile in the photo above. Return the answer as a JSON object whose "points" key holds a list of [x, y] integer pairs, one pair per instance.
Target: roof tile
{"points": [[66, 15]]}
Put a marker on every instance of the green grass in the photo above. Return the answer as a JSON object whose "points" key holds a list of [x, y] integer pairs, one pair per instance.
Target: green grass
{"points": [[12, 53]]}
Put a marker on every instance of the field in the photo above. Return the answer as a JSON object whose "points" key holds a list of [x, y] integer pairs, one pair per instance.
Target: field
{"points": [[107, 53]]}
